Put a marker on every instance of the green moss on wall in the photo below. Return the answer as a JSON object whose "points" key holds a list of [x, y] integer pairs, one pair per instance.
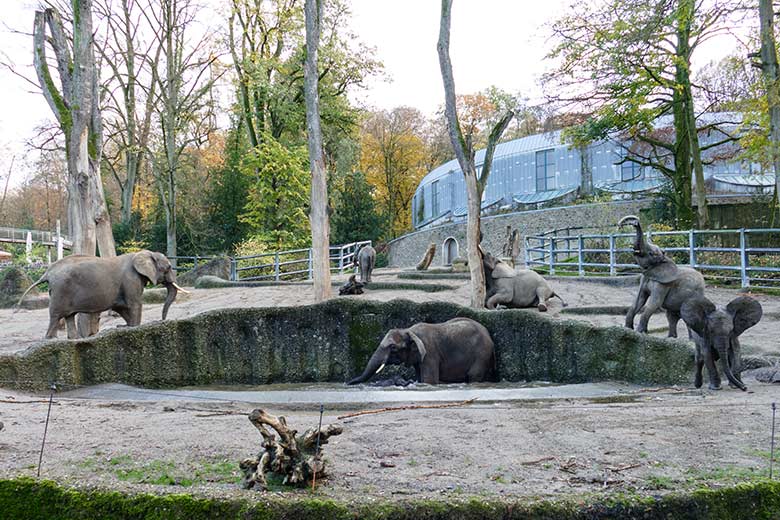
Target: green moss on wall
{"points": [[332, 342], [28, 499]]}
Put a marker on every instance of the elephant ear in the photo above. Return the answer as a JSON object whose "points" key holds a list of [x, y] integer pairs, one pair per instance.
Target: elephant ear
{"points": [[502, 270], [694, 314], [414, 338], [746, 312], [143, 262]]}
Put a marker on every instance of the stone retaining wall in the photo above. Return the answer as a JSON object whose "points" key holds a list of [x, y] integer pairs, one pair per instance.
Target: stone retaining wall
{"points": [[332, 341], [407, 250]]}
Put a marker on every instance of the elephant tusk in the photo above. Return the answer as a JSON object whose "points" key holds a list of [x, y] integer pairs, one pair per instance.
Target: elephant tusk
{"points": [[180, 289], [380, 368], [625, 220]]}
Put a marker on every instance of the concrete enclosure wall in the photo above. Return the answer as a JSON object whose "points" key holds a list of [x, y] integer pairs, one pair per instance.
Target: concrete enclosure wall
{"points": [[332, 341], [407, 250]]}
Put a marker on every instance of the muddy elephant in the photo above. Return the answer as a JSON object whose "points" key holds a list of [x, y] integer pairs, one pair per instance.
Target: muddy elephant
{"points": [[365, 260], [663, 284], [351, 287], [514, 288], [91, 285], [716, 334], [456, 351]]}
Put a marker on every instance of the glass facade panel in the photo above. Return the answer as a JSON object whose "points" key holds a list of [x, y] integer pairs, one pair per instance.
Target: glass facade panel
{"points": [[545, 170], [630, 171]]}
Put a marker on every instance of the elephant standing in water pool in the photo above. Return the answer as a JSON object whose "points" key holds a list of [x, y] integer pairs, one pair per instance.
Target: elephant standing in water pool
{"points": [[456, 351], [365, 260], [91, 285], [514, 288], [663, 285], [716, 334]]}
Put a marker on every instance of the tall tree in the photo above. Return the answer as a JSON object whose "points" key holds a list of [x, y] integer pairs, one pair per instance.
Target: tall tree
{"points": [[628, 62], [183, 83], [318, 213], [464, 151], [75, 105], [355, 213]]}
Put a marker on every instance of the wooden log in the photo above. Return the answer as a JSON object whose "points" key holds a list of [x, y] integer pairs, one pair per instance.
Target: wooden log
{"points": [[291, 457], [425, 263]]}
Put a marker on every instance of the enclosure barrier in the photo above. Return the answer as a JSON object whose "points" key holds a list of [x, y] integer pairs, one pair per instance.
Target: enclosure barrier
{"points": [[278, 265], [750, 256]]}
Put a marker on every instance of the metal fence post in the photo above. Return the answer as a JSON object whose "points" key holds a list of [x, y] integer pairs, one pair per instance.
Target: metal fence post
{"points": [[612, 255], [341, 260], [692, 248], [581, 268], [310, 269], [744, 261], [276, 266], [233, 269], [552, 255]]}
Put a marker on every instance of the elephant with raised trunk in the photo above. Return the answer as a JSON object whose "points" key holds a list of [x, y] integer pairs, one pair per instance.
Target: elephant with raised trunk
{"points": [[514, 288], [456, 351], [365, 260], [91, 285], [716, 334], [663, 284]]}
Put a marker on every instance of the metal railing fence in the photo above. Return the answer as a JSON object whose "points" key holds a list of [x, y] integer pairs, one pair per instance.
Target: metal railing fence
{"points": [[750, 256], [292, 264]]}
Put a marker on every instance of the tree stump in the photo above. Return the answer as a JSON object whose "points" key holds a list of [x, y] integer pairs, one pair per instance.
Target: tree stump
{"points": [[290, 457], [427, 259]]}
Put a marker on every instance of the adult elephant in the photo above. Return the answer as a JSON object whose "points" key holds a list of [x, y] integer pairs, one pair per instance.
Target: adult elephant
{"points": [[716, 334], [663, 284], [456, 351], [365, 260], [514, 288], [91, 285]]}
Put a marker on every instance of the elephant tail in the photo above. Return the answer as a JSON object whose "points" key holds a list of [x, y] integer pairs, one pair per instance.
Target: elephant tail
{"points": [[42, 279], [556, 295]]}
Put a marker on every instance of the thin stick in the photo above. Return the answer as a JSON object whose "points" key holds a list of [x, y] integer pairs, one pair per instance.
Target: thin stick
{"points": [[46, 429], [317, 450], [772, 444], [411, 407]]}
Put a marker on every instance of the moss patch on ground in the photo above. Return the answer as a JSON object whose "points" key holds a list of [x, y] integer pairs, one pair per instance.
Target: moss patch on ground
{"points": [[26, 498]]}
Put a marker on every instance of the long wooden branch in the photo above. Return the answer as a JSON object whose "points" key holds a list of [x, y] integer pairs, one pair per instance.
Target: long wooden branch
{"points": [[493, 138], [55, 99], [409, 407]]}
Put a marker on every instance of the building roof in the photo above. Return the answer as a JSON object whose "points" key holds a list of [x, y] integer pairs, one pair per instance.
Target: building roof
{"points": [[530, 143], [760, 181], [635, 186], [542, 196]]}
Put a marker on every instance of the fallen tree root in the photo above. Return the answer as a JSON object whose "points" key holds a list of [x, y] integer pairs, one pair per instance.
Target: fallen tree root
{"points": [[292, 458], [409, 407]]}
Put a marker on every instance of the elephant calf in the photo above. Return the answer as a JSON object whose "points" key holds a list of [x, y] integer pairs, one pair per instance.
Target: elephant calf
{"points": [[716, 334], [365, 260], [91, 285], [517, 289], [456, 351], [351, 287]]}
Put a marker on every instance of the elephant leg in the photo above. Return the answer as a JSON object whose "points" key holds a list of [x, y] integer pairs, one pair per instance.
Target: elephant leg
{"points": [[673, 318], [499, 297], [639, 302], [698, 378], [430, 374], [712, 370], [654, 302], [541, 296], [70, 324], [54, 325], [133, 317]]}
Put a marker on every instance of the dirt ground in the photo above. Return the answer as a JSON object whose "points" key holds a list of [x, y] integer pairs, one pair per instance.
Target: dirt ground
{"points": [[648, 440]]}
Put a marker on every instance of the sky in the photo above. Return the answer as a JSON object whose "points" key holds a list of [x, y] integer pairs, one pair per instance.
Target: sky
{"points": [[493, 42]]}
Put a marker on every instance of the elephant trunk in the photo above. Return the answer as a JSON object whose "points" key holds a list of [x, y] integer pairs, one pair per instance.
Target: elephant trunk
{"points": [[173, 289], [726, 366], [639, 240], [375, 364]]}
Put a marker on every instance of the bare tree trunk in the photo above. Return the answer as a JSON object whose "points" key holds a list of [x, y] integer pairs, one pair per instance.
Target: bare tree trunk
{"points": [[75, 105], [465, 154], [769, 69], [5, 189], [320, 225]]}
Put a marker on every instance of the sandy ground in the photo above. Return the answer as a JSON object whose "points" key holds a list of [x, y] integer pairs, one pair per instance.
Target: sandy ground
{"points": [[19, 331], [649, 441]]}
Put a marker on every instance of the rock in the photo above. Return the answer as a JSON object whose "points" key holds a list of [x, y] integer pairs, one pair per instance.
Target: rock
{"points": [[460, 265], [764, 375], [13, 282], [219, 267], [212, 282], [1, 426]]}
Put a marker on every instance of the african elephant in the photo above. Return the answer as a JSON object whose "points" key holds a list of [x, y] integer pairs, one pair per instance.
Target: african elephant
{"points": [[365, 260], [456, 351], [663, 285], [716, 334], [91, 285], [514, 288]]}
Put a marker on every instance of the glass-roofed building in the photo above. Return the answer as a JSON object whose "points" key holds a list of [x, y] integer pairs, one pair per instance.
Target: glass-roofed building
{"points": [[540, 169]]}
